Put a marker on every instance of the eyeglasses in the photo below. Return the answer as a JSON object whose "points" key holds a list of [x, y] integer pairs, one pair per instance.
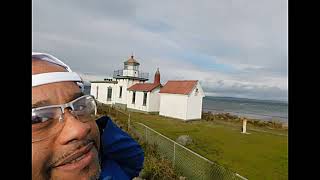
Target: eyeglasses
{"points": [[48, 121]]}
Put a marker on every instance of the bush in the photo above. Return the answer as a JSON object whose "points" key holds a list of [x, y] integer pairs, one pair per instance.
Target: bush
{"points": [[155, 166]]}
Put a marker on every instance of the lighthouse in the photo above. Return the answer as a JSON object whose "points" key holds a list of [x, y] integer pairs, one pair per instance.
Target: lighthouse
{"points": [[131, 67]]}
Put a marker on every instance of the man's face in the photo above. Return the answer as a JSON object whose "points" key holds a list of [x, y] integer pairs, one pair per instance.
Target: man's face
{"points": [[68, 154]]}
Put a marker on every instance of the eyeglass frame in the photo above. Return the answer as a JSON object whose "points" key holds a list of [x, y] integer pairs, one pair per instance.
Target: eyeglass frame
{"points": [[62, 107]]}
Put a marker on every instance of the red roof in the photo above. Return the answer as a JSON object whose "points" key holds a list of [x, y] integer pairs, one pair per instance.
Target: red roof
{"points": [[143, 87], [179, 87]]}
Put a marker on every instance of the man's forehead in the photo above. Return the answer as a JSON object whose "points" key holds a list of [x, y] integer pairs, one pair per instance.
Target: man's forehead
{"points": [[55, 93], [39, 66], [52, 101]]}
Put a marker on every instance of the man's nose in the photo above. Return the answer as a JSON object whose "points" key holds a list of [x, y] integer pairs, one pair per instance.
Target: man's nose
{"points": [[73, 129]]}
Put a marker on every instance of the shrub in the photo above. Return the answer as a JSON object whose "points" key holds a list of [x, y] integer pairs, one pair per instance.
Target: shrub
{"points": [[155, 166]]}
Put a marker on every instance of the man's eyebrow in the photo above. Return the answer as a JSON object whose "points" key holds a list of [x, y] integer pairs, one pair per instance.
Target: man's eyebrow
{"points": [[47, 102], [41, 104], [76, 95]]}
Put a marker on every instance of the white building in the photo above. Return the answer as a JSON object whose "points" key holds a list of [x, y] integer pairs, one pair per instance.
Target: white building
{"points": [[103, 91], [181, 99], [145, 96]]}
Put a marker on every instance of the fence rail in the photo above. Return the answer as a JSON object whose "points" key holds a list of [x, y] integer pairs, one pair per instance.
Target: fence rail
{"points": [[185, 161]]}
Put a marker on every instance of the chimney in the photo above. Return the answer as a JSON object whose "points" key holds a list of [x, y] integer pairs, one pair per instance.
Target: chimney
{"points": [[157, 77]]}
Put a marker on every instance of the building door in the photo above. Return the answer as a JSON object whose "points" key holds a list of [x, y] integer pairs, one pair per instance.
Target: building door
{"points": [[120, 94], [133, 97], [144, 98], [109, 94]]}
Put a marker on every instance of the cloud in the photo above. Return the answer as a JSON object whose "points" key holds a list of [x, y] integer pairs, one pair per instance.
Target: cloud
{"points": [[240, 43]]}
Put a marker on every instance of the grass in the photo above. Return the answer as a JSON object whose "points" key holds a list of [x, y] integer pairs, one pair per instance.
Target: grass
{"points": [[258, 155]]}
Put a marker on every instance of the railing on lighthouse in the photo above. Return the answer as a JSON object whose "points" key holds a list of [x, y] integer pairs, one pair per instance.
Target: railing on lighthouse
{"points": [[119, 73]]}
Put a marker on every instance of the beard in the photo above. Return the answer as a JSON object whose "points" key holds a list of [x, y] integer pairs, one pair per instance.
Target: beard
{"points": [[91, 172]]}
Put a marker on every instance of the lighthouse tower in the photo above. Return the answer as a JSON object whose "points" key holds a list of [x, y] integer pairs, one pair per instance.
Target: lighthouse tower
{"points": [[131, 67], [127, 77]]}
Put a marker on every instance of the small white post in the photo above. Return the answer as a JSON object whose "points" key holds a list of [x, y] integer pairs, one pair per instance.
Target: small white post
{"points": [[244, 125]]}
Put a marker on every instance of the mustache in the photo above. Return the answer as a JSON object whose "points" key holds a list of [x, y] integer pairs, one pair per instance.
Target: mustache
{"points": [[76, 147]]}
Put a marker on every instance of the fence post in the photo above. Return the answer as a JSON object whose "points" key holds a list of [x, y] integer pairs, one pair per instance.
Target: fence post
{"points": [[145, 132], [129, 122], [174, 153]]}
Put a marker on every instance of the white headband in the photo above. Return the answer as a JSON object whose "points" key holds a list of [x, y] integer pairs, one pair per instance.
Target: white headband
{"points": [[52, 77]]}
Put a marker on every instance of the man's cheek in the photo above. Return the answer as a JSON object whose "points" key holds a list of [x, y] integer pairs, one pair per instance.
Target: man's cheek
{"points": [[41, 158], [95, 133], [39, 170]]}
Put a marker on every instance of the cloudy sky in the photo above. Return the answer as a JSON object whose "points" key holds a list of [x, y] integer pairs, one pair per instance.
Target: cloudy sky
{"points": [[234, 47]]}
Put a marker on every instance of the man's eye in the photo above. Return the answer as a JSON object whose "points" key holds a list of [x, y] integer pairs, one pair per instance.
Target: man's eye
{"points": [[42, 123], [38, 119], [81, 107]]}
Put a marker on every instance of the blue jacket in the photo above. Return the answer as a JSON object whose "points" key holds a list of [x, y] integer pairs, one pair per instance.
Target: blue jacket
{"points": [[121, 156]]}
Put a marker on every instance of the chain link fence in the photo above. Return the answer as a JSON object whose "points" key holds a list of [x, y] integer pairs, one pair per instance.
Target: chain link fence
{"points": [[185, 161]]}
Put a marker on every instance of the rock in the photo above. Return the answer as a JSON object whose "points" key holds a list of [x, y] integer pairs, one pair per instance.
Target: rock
{"points": [[184, 140]]}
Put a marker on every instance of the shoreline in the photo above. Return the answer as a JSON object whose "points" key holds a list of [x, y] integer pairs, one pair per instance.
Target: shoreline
{"points": [[229, 117], [261, 117]]}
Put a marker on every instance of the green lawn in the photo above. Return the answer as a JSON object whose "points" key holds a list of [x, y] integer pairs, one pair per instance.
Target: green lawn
{"points": [[257, 155]]}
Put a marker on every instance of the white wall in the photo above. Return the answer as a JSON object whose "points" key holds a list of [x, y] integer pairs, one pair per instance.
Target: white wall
{"points": [[103, 91], [173, 105], [132, 73], [138, 102], [125, 83], [153, 100], [194, 107], [93, 89], [201, 92], [195, 103], [123, 99], [152, 104]]}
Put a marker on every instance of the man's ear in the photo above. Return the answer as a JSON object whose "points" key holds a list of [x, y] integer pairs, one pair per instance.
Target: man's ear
{"points": [[102, 123]]}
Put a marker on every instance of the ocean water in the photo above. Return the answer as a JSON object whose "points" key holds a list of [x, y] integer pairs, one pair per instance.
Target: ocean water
{"points": [[251, 108]]}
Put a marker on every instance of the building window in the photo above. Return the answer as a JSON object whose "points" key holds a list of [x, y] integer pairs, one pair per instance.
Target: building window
{"points": [[133, 97], [109, 94], [145, 98], [97, 92], [120, 94], [197, 91]]}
